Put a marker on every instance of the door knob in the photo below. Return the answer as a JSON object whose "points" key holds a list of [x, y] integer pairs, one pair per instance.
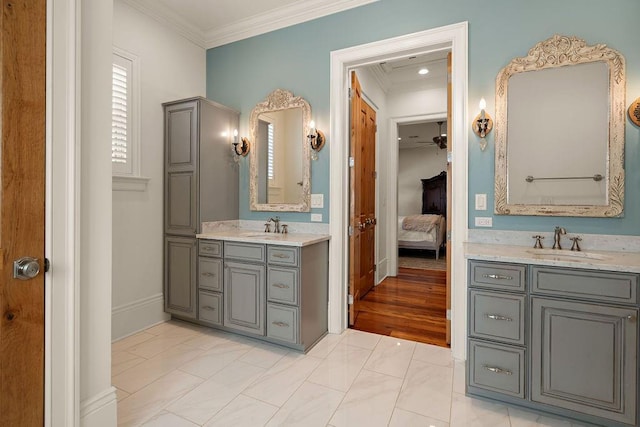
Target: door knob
{"points": [[25, 268]]}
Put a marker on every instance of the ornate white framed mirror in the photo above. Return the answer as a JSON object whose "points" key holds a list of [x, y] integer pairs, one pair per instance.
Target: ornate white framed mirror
{"points": [[280, 169], [560, 130]]}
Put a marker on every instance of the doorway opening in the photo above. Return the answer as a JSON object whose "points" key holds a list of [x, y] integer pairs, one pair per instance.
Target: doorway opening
{"points": [[454, 38], [409, 300]]}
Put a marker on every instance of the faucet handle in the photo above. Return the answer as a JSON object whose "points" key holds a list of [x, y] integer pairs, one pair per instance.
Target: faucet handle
{"points": [[538, 243], [267, 227], [284, 229], [575, 246]]}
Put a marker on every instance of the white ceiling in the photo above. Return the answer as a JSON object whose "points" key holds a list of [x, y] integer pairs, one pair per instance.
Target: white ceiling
{"points": [[419, 135], [211, 23]]}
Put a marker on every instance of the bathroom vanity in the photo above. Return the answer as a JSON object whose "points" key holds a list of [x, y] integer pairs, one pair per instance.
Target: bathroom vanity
{"points": [[555, 331], [268, 286]]}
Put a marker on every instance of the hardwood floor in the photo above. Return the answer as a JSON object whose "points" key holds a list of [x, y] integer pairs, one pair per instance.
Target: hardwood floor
{"points": [[410, 306]]}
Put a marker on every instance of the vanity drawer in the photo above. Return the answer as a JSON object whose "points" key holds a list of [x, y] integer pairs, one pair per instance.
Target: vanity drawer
{"points": [[244, 251], [282, 285], [283, 255], [498, 368], [210, 307], [497, 316], [497, 275], [210, 248], [210, 274], [282, 323], [585, 284]]}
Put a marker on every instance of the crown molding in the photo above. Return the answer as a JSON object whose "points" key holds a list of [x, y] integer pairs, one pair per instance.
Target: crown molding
{"points": [[276, 19]]}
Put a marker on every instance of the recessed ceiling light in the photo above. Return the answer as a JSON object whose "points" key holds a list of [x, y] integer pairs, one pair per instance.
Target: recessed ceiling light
{"points": [[423, 71]]}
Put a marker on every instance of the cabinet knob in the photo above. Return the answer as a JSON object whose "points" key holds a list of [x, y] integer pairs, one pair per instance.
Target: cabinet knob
{"points": [[631, 317]]}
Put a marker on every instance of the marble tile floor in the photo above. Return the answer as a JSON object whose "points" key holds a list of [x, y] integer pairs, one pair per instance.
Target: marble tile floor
{"points": [[176, 374]]}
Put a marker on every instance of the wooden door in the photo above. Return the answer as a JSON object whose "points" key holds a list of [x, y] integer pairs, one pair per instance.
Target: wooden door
{"points": [[22, 210], [362, 219], [448, 238]]}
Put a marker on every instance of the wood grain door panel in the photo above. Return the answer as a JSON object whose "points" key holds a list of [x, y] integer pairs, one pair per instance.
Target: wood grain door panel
{"points": [[362, 198], [22, 214]]}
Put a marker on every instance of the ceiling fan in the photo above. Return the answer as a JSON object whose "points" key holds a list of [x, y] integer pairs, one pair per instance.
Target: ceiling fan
{"points": [[441, 139]]}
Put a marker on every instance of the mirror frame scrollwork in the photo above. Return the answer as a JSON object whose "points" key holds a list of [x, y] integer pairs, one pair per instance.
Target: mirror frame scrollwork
{"points": [[560, 51], [280, 99]]}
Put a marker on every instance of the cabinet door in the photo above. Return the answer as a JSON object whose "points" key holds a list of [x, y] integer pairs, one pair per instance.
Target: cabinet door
{"points": [[583, 358], [244, 297], [180, 276], [181, 136]]}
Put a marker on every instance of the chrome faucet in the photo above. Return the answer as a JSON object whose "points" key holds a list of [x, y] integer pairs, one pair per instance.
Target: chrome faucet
{"points": [[556, 238], [276, 224]]}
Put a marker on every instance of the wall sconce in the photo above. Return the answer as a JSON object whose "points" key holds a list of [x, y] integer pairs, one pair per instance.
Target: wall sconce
{"points": [[244, 149], [316, 139], [482, 124]]}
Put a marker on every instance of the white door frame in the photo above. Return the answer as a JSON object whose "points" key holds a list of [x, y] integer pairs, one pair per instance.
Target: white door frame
{"points": [[453, 36], [392, 182], [62, 308]]}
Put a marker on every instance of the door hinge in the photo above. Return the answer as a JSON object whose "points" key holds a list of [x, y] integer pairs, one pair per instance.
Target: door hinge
{"points": [[375, 268], [350, 300], [375, 174], [375, 129], [449, 156], [448, 236], [350, 94], [448, 314], [352, 162], [351, 230]]}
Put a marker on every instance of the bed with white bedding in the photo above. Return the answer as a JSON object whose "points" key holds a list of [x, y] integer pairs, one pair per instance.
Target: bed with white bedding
{"points": [[425, 232]]}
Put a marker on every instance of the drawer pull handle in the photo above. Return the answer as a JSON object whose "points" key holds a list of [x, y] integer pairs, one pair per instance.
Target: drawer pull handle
{"points": [[497, 277], [280, 286], [209, 249], [281, 324], [498, 317], [497, 370], [208, 307], [281, 256], [209, 274]]}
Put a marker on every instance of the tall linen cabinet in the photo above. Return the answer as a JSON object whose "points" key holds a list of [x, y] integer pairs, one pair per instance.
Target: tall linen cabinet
{"points": [[200, 185]]}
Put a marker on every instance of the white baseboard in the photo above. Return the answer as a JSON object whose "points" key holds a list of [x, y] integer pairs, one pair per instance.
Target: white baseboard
{"points": [[100, 410], [135, 316], [383, 266]]}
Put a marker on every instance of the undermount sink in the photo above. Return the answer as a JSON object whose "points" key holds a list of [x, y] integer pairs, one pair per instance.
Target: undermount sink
{"points": [[553, 253], [262, 235]]}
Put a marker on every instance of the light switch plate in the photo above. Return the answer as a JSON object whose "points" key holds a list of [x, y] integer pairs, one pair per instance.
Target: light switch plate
{"points": [[317, 200], [316, 217], [482, 221], [481, 202]]}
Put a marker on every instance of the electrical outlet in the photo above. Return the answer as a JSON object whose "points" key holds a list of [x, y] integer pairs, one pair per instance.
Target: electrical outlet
{"points": [[316, 217], [481, 202], [317, 201], [484, 221]]}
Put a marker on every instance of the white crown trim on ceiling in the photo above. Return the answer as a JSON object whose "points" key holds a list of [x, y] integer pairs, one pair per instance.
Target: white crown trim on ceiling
{"points": [[282, 17]]}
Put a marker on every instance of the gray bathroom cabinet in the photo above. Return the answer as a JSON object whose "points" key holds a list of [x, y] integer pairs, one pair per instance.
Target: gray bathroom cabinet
{"points": [[556, 339], [273, 292], [200, 184]]}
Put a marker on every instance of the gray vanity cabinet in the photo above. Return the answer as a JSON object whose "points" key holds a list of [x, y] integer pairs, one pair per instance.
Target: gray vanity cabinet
{"points": [[575, 352], [200, 184]]}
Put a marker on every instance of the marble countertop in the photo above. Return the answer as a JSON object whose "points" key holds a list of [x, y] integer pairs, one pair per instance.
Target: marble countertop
{"points": [[594, 260], [255, 236]]}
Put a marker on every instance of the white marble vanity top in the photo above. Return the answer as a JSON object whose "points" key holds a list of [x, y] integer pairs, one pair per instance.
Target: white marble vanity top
{"points": [[594, 260], [256, 236]]}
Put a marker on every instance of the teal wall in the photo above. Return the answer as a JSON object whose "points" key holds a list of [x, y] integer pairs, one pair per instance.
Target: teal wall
{"points": [[297, 58]]}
